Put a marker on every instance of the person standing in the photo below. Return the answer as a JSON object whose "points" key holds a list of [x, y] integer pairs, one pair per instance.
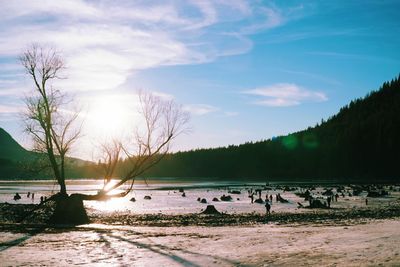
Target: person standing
{"points": [[268, 207]]}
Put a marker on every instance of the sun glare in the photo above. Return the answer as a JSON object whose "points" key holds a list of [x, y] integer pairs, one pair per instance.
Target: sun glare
{"points": [[109, 117]]}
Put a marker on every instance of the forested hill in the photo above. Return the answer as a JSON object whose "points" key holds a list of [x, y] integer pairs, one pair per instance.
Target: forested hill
{"points": [[17, 162], [362, 141], [10, 149]]}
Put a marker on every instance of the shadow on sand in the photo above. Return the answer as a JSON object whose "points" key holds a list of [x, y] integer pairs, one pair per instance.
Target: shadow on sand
{"points": [[166, 251], [9, 244]]}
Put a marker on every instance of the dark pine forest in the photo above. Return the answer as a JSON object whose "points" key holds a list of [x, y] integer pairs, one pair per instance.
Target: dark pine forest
{"points": [[360, 142]]}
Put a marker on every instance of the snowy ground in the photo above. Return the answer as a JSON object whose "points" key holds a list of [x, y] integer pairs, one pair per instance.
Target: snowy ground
{"points": [[371, 244]]}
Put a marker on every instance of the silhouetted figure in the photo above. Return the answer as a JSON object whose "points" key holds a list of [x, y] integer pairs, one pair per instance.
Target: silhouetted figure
{"points": [[259, 193], [28, 195], [270, 198], [336, 196], [329, 201], [268, 207], [33, 196], [277, 197], [41, 199], [17, 197], [252, 198], [366, 201], [266, 197], [45, 198]]}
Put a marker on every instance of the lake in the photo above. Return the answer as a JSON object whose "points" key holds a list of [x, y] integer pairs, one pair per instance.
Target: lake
{"points": [[165, 195]]}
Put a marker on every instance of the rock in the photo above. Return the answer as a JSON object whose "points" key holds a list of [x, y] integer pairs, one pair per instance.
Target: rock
{"points": [[181, 190], [204, 201], [259, 201], [133, 199], [327, 192], [198, 199], [183, 195], [282, 200], [215, 199], [234, 192], [226, 198], [317, 203], [147, 197], [211, 210], [287, 188], [377, 193]]}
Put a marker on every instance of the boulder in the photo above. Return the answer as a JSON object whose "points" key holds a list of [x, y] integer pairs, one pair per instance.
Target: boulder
{"points": [[215, 199], [133, 199], [204, 201], [259, 201], [377, 193], [147, 197], [317, 204], [226, 198]]}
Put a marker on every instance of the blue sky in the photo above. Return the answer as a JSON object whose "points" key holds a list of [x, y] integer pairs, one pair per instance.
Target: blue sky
{"points": [[245, 70]]}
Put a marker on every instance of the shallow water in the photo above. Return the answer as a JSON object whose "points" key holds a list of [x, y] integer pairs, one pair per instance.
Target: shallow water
{"points": [[166, 198]]}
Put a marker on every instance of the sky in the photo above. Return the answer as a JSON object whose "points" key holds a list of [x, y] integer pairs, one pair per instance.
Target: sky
{"points": [[244, 70]]}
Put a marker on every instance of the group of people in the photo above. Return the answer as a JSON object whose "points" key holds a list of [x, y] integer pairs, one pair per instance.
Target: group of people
{"points": [[332, 198], [17, 196], [268, 199]]}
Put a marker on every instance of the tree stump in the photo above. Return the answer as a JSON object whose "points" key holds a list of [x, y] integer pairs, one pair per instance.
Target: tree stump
{"points": [[69, 210], [211, 210]]}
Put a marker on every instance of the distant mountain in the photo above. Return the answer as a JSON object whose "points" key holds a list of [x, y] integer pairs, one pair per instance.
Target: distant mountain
{"points": [[16, 161], [361, 142], [10, 149]]}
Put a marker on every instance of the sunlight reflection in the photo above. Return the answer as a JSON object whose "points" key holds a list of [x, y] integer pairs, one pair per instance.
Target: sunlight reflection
{"points": [[110, 184], [113, 204]]}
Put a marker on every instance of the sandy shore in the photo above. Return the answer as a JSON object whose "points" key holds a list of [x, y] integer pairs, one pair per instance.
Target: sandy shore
{"points": [[350, 233], [372, 243]]}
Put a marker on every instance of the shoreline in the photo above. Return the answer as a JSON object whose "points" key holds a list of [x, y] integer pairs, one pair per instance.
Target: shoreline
{"points": [[11, 213]]}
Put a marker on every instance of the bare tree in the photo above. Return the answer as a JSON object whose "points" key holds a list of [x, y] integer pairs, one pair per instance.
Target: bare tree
{"points": [[53, 132], [52, 128], [110, 156], [163, 121]]}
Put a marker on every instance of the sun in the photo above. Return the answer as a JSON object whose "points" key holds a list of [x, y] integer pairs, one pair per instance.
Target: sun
{"points": [[109, 116]]}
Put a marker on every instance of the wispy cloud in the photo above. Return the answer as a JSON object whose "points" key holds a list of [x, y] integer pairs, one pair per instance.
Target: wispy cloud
{"points": [[104, 42], [11, 108], [200, 109], [285, 94], [269, 17], [231, 113]]}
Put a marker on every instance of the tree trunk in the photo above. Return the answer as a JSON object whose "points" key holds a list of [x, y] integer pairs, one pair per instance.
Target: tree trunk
{"points": [[63, 188], [69, 210]]}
